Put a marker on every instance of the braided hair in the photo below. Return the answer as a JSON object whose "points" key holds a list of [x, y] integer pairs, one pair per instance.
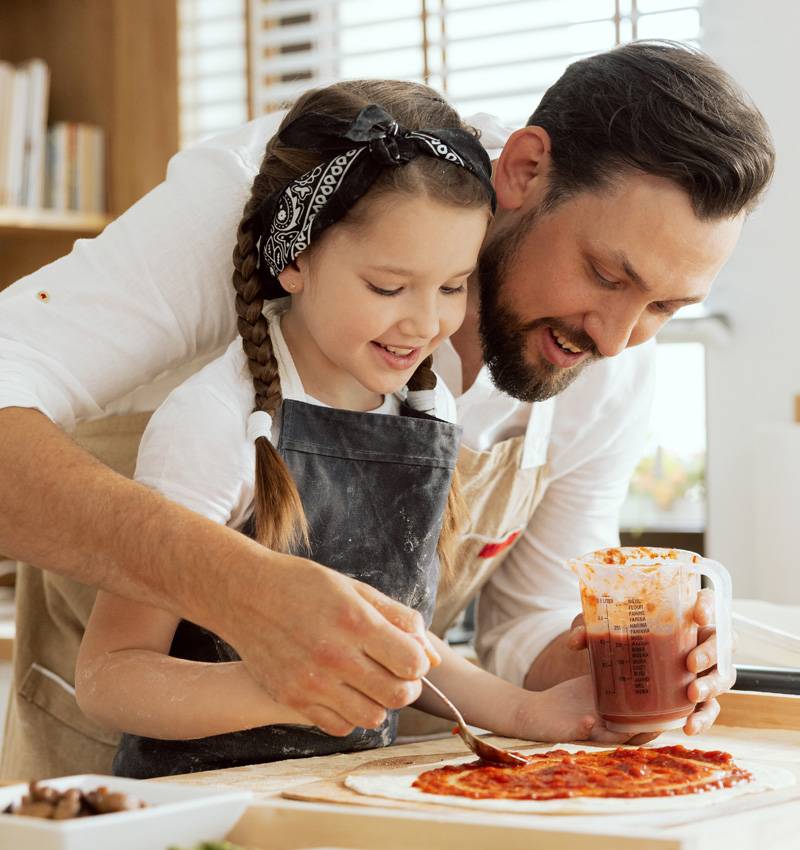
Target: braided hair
{"points": [[280, 522]]}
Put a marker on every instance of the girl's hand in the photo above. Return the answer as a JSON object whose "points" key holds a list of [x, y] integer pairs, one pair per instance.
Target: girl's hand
{"points": [[564, 713]]}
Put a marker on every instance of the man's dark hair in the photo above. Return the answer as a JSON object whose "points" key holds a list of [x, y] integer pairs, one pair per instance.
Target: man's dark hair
{"points": [[662, 108]]}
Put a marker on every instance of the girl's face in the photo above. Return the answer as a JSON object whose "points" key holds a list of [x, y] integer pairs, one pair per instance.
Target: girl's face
{"points": [[371, 301]]}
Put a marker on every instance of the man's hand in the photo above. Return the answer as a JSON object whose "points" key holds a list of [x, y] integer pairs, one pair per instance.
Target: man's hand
{"points": [[701, 660], [334, 649], [711, 684]]}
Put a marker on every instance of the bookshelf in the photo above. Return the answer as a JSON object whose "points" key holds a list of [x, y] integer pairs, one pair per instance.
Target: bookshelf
{"points": [[113, 63]]}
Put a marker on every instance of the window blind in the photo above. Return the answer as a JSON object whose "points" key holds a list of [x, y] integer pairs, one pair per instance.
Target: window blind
{"points": [[212, 51], [495, 57]]}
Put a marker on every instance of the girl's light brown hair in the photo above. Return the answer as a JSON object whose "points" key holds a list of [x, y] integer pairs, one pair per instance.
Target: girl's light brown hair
{"points": [[280, 522]]}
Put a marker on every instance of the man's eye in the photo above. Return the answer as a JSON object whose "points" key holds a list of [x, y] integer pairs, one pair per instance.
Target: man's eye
{"points": [[387, 292], [604, 281], [663, 307]]}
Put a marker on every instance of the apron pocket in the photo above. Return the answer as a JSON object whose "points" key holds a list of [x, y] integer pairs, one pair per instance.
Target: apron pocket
{"points": [[56, 697]]}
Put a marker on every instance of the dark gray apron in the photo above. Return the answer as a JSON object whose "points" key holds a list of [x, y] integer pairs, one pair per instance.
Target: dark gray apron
{"points": [[374, 488]]}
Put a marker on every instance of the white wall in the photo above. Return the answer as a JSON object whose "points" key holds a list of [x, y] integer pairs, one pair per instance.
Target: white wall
{"points": [[752, 381]]}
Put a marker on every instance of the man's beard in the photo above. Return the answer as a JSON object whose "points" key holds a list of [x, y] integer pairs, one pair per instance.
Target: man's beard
{"points": [[504, 335]]}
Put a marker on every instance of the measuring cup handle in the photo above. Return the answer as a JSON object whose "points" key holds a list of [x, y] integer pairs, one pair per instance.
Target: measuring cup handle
{"points": [[723, 601]]}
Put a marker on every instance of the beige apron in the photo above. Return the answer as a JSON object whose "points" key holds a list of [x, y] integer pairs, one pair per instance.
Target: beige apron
{"points": [[502, 488], [47, 735]]}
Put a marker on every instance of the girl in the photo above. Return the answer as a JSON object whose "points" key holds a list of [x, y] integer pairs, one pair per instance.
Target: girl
{"points": [[371, 223]]}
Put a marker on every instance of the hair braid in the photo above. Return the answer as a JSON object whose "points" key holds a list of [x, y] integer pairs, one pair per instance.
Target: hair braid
{"points": [[280, 520], [456, 514]]}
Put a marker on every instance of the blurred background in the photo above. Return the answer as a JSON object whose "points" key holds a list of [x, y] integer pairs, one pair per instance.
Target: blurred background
{"points": [[123, 84]]}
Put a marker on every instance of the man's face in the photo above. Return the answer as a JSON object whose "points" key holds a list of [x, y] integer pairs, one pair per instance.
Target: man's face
{"points": [[598, 273]]}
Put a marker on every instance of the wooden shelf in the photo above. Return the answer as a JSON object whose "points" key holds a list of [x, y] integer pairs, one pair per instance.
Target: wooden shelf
{"points": [[114, 64], [16, 221]]}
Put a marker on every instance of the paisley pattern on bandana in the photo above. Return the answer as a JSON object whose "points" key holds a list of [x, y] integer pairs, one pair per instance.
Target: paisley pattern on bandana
{"points": [[298, 206], [292, 217]]}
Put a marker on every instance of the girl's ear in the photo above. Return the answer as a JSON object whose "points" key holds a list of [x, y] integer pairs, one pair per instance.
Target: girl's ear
{"points": [[520, 175], [292, 278]]}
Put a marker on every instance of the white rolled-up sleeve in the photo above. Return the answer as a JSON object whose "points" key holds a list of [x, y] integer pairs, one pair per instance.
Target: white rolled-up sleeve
{"points": [[599, 432], [150, 293]]}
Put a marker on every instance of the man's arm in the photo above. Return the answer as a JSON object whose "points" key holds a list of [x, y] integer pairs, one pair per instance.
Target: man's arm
{"points": [[65, 511], [152, 292]]}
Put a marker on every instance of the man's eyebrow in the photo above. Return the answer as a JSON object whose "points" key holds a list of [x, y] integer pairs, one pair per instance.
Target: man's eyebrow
{"points": [[625, 264]]}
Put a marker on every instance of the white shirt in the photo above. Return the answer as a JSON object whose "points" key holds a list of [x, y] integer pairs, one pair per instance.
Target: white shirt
{"points": [[139, 308], [195, 449]]}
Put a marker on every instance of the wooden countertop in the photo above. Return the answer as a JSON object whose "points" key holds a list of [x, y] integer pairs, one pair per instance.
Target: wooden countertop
{"points": [[754, 726], [270, 780]]}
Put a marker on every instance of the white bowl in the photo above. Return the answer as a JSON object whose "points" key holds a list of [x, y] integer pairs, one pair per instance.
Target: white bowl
{"points": [[177, 815]]}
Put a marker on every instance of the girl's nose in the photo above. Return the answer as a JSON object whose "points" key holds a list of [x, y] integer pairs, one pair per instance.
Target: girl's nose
{"points": [[422, 322]]}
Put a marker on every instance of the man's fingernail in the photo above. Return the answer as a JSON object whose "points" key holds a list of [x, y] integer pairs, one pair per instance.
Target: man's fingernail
{"points": [[702, 692], [702, 659]]}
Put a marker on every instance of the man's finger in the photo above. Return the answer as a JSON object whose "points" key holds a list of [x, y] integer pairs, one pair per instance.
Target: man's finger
{"points": [[406, 619], [704, 608], [328, 720], [703, 718], [376, 682], [708, 686], [704, 656]]}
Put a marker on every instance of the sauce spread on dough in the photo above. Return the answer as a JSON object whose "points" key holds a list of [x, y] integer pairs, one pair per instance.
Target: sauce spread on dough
{"points": [[640, 772]]}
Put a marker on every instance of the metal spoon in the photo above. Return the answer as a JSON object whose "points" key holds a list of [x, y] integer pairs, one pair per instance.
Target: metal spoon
{"points": [[485, 751]]}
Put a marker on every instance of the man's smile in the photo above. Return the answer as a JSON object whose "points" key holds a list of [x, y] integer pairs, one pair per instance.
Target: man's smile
{"points": [[558, 350]]}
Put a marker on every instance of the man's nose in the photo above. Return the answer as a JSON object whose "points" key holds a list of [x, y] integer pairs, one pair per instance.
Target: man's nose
{"points": [[612, 333]]}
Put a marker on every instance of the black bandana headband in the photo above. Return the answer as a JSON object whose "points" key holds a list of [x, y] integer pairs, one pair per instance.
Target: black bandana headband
{"points": [[293, 216]]}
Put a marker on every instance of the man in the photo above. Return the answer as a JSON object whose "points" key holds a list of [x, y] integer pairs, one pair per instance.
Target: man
{"points": [[618, 204]]}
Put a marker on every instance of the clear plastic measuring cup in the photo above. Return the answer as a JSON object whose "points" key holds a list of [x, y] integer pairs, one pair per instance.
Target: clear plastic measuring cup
{"points": [[638, 608]]}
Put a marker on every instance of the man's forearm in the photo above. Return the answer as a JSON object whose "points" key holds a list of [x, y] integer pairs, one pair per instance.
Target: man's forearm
{"points": [[63, 510], [556, 663]]}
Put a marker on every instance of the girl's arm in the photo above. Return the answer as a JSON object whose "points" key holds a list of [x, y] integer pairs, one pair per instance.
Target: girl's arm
{"points": [[562, 713], [126, 680]]}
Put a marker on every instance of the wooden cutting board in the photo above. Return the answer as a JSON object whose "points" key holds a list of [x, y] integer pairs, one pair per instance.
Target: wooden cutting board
{"points": [[333, 789]]}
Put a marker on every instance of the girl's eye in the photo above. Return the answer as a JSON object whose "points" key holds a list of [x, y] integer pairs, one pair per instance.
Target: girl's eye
{"points": [[452, 290], [387, 292]]}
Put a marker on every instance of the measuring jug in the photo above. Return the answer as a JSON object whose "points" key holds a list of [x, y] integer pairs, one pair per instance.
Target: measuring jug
{"points": [[638, 608]]}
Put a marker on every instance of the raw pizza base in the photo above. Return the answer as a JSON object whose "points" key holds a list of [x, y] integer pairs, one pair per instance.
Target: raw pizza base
{"points": [[397, 785]]}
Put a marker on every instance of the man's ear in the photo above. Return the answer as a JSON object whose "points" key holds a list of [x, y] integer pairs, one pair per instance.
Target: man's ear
{"points": [[292, 278], [520, 176]]}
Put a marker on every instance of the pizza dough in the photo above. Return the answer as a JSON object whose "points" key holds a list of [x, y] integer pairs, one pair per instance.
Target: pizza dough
{"points": [[398, 785]]}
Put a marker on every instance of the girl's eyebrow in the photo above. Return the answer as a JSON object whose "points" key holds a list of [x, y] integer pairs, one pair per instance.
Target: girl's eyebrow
{"points": [[411, 272]]}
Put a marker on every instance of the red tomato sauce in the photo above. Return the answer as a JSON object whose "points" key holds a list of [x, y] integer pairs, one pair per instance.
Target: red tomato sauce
{"points": [[641, 772]]}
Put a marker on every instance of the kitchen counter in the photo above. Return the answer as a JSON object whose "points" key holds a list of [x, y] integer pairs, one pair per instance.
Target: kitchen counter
{"points": [[762, 821]]}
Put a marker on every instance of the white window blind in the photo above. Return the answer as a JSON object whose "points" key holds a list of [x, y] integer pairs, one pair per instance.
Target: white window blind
{"points": [[495, 57], [212, 76]]}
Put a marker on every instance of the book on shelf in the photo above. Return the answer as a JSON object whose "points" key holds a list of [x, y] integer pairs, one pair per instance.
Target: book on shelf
{"points": [[61, 167], [24, 92], [76, 167]]}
